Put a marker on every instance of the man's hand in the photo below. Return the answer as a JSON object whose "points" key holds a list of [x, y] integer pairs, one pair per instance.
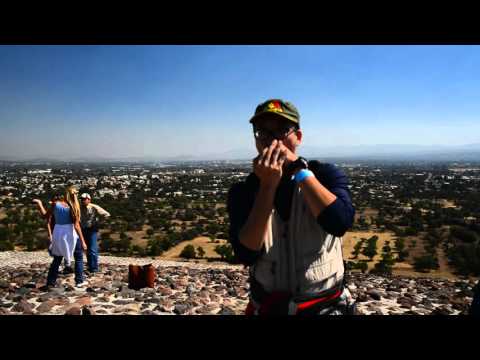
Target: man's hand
{"points": [[268, 166], [84, 246], [290, 156]]}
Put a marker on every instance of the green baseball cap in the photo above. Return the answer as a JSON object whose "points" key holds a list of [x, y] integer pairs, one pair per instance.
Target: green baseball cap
{"points": [[278, 107]]}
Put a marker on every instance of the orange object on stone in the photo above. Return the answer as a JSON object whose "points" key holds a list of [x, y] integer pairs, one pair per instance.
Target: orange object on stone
{"points": [[141, 276]]}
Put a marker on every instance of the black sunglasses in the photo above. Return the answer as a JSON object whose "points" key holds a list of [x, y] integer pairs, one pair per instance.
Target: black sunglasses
{"points": [[262, 134]]}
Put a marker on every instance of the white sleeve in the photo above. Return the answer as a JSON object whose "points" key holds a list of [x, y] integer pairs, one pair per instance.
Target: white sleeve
{"points": [[100, 210]]}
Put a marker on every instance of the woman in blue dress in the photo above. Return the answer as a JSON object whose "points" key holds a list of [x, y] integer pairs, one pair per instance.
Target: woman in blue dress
{"points": [[67, 239]]}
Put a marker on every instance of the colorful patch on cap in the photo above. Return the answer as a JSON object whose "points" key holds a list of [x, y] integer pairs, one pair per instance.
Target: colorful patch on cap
{"points": [[274, 106]]}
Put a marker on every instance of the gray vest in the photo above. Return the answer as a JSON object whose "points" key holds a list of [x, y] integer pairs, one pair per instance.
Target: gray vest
{"points": [[300, 256]]}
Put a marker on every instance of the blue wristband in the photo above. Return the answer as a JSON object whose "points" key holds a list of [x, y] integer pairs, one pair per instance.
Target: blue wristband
{"points": [[302, 175]]}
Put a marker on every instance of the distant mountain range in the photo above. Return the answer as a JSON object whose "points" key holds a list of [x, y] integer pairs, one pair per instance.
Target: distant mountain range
{"points": [[470, 152]]}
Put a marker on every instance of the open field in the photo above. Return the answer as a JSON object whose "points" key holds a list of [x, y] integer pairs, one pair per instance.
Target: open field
{"points": [[400, 268], [205, 242]]}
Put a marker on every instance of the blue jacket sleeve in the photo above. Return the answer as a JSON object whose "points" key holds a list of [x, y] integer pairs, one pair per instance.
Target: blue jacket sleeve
{"points": [[338, 217]]}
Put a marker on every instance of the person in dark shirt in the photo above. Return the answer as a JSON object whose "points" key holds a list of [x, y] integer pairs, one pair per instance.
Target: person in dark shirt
{"points": [[278, 173], [475, 306]]}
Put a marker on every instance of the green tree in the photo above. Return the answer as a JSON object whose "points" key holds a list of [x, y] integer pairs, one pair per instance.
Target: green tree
{"points": [[189, 215], [167, 243], [362, 223], [385, 265], [399, 244], [124, 244], [154, 247], [213, 229], [463, 234], [425, 263], [190, 234], [363, 266], [411, 231], [4, 234], [138, 250], [466, 257], [225, 252], [357, 249], [200, 252], [29, 241], [105, 242], [402, 255], [371, 249], [5, 240], [188, 252]]}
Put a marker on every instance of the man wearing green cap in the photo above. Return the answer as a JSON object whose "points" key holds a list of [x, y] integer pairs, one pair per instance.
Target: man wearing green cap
{"points": [[287, 220]]}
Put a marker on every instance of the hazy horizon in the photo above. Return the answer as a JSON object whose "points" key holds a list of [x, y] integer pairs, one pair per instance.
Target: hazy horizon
{"points": [[469, 152], [171, 101]]}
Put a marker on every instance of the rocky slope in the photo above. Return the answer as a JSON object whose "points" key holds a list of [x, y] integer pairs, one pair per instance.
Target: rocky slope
{"points": [[189, 288]]}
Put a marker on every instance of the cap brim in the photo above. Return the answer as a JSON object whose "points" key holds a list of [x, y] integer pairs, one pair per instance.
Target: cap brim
{"points": [[278, 114]]}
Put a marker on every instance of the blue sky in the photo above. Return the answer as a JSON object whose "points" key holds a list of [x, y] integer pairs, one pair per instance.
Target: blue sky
{"points": [[116, 101]]}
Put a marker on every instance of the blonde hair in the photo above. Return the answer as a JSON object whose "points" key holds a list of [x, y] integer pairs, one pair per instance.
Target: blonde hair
{"points": [[72, 200]]}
